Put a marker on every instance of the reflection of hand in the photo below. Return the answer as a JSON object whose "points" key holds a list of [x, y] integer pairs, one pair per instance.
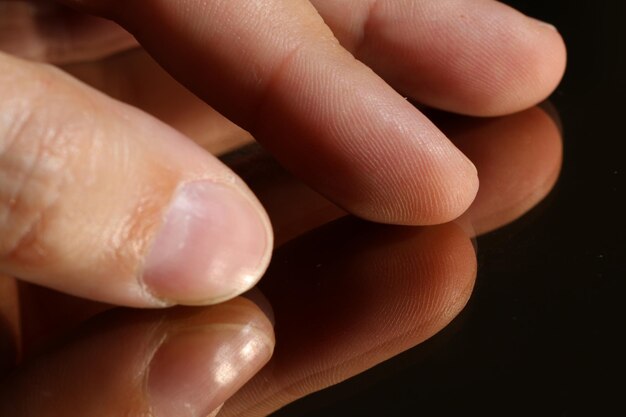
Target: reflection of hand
{"points": [[94, 188], [345, 294], [349, 295]]}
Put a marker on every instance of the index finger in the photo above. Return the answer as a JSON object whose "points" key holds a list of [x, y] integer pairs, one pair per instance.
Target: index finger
{"points": [[275, 68]]}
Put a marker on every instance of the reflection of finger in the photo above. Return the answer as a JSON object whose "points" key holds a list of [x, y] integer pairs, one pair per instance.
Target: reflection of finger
{"points": [[93, 188], [476, 57], [45, 31], [518, 160], [183, 362], [275, 69], [351, 295], [135, 78]]}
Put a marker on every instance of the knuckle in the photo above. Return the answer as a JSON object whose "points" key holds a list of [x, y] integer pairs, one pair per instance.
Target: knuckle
{"points": [[37, 143]]}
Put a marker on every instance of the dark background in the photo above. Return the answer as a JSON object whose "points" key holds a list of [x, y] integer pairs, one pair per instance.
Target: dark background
{"points": [[541, 334]]}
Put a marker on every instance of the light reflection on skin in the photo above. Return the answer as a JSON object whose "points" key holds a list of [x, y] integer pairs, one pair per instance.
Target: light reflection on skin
{"points": [[225, 372], [248, 350], [229, 359]]}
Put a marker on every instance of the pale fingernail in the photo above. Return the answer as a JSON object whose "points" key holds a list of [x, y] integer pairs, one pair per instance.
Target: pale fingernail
{"points": [[193, 373], [213, 244]]}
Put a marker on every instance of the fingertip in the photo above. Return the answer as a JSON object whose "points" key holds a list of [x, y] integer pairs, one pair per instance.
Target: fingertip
{"points": [[454, 188], [537, 66], [437, 190], [214, 244], [479, 58], [524, 65]]}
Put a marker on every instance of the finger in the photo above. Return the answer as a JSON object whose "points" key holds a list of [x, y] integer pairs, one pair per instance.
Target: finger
{"points": [[181, 362], [477, 57], [92, 188], [46, 31], [518, 158], [276, 70], [136, 79], [366, 293]]}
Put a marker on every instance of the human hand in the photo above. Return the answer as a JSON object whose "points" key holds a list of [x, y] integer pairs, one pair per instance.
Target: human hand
{"points": [[102, 201], [333, 318]]}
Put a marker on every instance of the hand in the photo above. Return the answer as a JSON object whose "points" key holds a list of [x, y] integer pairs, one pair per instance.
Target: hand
{"points": [[102, 201], [333, 318]]}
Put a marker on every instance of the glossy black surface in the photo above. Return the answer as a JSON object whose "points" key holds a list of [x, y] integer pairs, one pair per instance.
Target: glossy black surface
{"points": [[542, 332]]}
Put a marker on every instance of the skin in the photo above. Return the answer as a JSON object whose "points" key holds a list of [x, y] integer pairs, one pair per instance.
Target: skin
{"points": [[428, 272], [96, 149], [321, 85]]}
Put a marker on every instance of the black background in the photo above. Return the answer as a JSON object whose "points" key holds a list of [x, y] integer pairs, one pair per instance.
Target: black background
{"points": [[541, 334]]}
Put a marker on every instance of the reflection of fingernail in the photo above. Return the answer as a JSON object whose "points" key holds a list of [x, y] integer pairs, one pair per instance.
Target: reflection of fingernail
{"points": [[214, 244], [544, 24], [194, 372]]}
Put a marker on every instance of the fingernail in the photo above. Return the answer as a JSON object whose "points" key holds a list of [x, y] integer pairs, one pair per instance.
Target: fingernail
{"points": [[213, 244], [544, 24], [193, 373]]}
